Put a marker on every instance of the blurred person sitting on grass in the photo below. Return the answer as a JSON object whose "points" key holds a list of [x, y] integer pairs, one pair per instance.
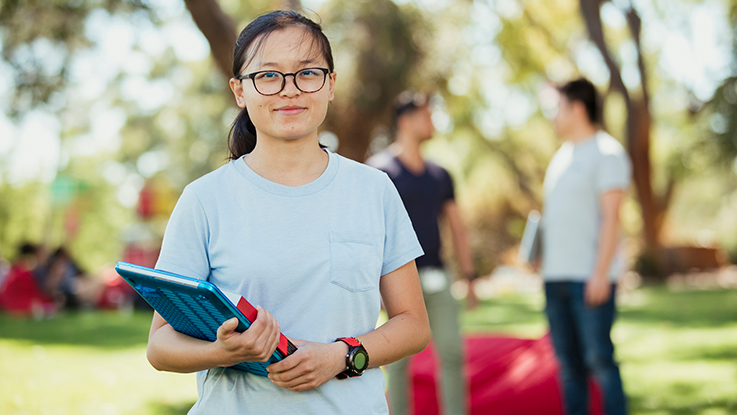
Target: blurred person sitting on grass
{"points": [[20, 293], [64, 281], [316, 239]]}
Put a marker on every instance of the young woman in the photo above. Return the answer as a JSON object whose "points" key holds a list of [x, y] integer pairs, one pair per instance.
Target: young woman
{"points": [[311, 238]]}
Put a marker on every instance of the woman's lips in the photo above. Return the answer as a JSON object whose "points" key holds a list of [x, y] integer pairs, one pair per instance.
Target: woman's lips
{"points": [[291, 110]]}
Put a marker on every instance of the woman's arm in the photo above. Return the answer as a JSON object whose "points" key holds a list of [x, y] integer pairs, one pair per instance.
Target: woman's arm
{"points": [[172, 351], [407, 332]]}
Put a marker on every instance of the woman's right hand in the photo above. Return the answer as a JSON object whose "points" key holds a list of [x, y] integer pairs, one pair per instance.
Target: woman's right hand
{"points": [[256, 344]]}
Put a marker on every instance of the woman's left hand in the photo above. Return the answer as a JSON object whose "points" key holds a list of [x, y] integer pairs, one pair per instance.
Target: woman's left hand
{"points": [[312, 365]]}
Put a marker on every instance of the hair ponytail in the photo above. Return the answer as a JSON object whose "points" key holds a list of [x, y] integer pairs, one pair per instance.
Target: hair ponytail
{"points": [[242, 136]]}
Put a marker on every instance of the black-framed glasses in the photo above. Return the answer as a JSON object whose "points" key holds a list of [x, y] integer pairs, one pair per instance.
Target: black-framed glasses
{"points": [[272, 82]]}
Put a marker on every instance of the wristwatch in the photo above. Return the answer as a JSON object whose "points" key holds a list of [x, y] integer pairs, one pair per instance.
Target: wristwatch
{"points": [[357, 359]]}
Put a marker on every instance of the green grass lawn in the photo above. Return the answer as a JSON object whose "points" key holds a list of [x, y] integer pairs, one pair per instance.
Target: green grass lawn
{"points": [[678, 354]]}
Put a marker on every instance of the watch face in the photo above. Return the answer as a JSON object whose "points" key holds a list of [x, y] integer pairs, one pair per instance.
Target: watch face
{"points": [[360, 360]]}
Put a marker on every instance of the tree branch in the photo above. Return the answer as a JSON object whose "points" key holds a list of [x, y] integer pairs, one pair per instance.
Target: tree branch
{"points": [[635, 24], [590, 9], [218, 29]]}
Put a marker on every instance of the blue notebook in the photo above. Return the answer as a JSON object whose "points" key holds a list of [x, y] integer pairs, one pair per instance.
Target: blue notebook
{"points": [[197, 308]]}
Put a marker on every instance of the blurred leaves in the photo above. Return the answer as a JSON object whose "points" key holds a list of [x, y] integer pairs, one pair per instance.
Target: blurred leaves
{"points": [[39, 39], [490, 64]]}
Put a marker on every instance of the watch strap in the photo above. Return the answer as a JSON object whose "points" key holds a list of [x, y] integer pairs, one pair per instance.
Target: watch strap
{"points": [[350, 341], [353, 343]]}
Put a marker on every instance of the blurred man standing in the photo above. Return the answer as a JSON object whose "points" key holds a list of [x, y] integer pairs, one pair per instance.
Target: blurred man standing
{"points": [[584, 187], [427, 192]]}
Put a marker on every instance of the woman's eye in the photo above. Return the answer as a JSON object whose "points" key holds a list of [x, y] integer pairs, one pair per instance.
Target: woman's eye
{"points": [[268, 75], [308, 72]]}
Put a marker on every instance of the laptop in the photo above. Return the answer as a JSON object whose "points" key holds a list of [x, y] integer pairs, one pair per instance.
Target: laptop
{"points": [[197, 308]]}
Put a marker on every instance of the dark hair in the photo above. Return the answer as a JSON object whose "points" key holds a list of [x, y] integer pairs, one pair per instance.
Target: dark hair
{"points": [[242, 136], [27, 249], [583, 90], [407, 102]]}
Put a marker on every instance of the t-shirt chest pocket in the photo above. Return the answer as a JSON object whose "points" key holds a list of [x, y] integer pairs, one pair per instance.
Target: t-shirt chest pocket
{"points": [[355, 260]]}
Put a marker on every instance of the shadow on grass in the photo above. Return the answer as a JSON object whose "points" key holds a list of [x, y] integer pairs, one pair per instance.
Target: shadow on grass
{"points": [[104, 329], [705, 309], [180, 408]]}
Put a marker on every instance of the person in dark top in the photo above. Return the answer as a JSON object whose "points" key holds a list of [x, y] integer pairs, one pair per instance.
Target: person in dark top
{"points": [[427, 192]]}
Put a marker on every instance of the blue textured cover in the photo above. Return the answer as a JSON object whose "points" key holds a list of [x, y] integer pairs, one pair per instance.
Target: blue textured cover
{"points": [[193, 307]]}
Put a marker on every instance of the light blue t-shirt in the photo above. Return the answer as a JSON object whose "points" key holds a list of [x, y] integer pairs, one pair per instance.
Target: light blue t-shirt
{"points": [[311, 255], [576, 178]]}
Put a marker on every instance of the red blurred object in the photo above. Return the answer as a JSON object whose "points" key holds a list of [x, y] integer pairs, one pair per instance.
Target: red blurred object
{"points": [[146, 199], [140, 255], [20, 293], [116, 293], [507, 376]]}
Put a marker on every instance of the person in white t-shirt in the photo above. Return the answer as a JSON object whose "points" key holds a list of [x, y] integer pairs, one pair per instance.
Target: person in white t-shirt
{"points": [[583, 190], [315, 241]]}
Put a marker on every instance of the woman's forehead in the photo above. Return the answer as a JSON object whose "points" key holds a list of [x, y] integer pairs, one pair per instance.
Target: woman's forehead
{"points": [[286, 47]]}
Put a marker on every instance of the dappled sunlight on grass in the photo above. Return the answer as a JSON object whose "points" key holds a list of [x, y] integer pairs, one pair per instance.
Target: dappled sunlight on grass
{"points": [[509, 314], [678, 354], [677, 348], [101, 329], [85, 363]]}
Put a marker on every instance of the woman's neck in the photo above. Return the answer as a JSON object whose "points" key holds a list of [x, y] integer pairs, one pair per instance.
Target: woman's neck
{"points": [[290, 163]]}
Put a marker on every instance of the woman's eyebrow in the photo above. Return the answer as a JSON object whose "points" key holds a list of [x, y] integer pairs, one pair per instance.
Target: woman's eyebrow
{"points": [[277, 65]]}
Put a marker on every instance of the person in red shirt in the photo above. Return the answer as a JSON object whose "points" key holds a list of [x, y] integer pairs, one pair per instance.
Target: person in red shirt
{"points": [[20, 293]]}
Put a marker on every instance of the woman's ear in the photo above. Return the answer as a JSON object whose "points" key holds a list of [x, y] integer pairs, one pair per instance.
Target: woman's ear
{"points": [[236, 85], [332, 77]]}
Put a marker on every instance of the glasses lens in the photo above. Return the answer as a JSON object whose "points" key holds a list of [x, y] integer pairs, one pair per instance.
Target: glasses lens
{"points": [[268, 83], [310, 80]]}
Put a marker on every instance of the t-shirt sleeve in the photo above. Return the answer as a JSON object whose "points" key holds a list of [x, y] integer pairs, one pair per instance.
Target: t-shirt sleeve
{"points": [[448, 192], [184, 248], [614, 172], [400, 242]]}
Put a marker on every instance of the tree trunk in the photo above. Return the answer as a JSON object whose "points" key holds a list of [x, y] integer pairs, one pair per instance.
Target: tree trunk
{"points": [[638, 121], [218, 29]]}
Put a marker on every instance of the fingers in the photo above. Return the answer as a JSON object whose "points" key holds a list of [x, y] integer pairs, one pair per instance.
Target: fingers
{"points": [[264, 333], [256, 344], [295, 373], [596, 295], [273, 340], [309, 367], [227, 328], [590, 296]]}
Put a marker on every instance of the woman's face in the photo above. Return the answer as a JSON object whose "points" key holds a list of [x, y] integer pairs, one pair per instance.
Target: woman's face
{"points": [[291, 114]]}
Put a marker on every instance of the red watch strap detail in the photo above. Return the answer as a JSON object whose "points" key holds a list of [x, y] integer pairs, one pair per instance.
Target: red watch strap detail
{"points": [[351, 341]]}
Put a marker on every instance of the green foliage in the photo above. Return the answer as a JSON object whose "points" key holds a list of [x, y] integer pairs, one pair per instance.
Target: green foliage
{"points": [[487, 60], [24, 216], [39, 39]]}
